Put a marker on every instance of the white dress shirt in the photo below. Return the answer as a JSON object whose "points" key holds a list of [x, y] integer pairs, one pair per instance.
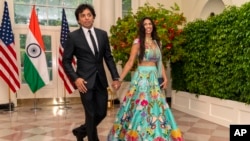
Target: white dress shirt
{"points": [[87, 35]]}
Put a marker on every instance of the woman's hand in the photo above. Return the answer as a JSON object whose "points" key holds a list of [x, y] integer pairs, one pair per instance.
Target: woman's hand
{"points": [[164, 84], [116, 84]]}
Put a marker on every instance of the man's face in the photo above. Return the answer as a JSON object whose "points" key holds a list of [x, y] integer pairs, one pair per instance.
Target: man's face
{"points": [[86, 19]]}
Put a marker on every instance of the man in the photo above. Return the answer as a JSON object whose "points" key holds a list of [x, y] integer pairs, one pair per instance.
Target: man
{"points": [[90, 46]]}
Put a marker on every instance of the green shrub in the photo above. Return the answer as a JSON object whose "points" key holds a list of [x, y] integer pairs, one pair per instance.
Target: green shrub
{"points": [[217, 60]]}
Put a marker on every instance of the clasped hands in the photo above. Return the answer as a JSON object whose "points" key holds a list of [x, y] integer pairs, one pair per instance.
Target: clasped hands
{"points": [[81, 85], [116, 84]]}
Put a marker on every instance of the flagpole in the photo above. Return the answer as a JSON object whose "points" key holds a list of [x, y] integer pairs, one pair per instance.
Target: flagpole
{"points": [[35, 108], [64, 90], [10, 110], [64, 101], [35, 58]]}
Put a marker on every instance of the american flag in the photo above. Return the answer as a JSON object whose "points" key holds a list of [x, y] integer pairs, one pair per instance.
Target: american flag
{"points": [[8, 60], [69, 86]]}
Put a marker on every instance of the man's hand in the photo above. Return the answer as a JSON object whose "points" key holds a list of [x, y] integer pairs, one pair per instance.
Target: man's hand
{"points": [[116, 84], [80, 84]]}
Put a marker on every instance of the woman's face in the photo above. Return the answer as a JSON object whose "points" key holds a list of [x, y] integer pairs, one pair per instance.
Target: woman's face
{"points": [[86, 19], [148, 26]]}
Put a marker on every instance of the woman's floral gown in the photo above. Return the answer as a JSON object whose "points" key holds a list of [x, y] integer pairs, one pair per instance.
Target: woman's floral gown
{"points": [[144, 114]]}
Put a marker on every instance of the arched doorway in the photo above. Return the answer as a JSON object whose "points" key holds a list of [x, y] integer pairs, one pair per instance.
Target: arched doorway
{"points": [[212, 7]]}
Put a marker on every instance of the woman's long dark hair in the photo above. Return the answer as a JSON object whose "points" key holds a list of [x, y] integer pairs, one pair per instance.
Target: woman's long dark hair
{"points": [[142, 36]]}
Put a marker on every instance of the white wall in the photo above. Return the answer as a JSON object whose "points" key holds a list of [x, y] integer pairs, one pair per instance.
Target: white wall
{"points": [[194, 9], [221, 111], [215, 6]]}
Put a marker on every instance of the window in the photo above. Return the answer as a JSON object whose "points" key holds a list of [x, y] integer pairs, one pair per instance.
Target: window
{"points": [[126, 7], [49, 12]]}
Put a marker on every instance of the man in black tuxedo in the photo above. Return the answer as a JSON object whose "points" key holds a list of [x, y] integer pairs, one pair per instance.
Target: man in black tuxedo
{"points": [[90, 46]]}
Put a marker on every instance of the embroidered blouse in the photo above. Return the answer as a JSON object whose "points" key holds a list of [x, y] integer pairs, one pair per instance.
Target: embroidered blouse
{"points": [[152, 55]]}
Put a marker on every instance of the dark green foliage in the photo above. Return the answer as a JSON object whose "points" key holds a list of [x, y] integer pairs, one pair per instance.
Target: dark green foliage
{"points": [[178, 83], [217, 56]]}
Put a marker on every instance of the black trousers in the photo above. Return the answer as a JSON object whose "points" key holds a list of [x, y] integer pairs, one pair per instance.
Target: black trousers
{"points": [[95, 106]]}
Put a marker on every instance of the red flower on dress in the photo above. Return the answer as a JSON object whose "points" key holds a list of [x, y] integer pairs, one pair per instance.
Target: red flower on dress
{"points": [[137, 101], [124, 99], [154, 94], [132, 135], [159, 139], [144, 103]]}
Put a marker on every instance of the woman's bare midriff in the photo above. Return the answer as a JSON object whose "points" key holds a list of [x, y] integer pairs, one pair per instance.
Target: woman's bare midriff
{"points": [[144, 63]]}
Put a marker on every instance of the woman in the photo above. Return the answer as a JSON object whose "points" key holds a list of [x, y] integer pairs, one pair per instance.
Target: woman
{"points": [[144, 114]]}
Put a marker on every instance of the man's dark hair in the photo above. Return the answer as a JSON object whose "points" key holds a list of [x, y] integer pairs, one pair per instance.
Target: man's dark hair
{"points": [[82, 7]]}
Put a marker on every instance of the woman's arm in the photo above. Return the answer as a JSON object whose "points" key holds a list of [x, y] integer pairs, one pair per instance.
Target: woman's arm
{"points": [[129, 64], [165, 80]]}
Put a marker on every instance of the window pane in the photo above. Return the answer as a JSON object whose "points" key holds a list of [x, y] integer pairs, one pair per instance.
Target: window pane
{"points": [[47, 42], [22, 41], [22, 47], [50, 74], [48, 53], [42, 15], [54, 17], [70, 4], [49, 11], [70, 13], [126, 6], [40, 2], [21, 14], [48, 59], [23, 80], [75, 3], [55, 2], [23, 1]]}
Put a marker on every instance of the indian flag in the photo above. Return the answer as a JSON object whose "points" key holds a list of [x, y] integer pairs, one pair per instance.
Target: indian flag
{"points": [[35, 65]]}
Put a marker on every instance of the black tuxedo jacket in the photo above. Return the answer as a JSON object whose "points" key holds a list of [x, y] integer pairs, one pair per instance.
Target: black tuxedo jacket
{"points": [[88, 66]]}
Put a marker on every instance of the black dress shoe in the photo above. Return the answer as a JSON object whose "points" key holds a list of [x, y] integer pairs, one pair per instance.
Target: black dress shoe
{"points": [[79, 136]]}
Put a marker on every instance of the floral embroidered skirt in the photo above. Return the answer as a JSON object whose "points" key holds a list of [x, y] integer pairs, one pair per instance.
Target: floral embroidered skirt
{"points": [[144, 114]]}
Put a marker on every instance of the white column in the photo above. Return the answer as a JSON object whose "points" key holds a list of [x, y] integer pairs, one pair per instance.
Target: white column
{"points": [[118, 9], [134, 5], [107, 19], [97, 6], [107, 16]]}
